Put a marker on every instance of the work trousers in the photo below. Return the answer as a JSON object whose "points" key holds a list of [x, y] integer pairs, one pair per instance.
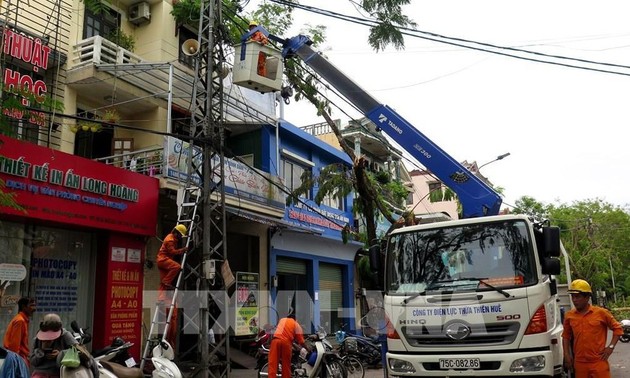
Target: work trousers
{"points": [[596, 369], [280, 352], [261, 67], [169, 269]]}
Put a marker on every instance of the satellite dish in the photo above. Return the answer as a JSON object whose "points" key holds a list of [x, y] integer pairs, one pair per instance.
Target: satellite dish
{"points": [[190, 47]]}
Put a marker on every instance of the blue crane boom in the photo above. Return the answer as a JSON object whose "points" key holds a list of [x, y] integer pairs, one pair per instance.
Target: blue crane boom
{"points": [[476, 197]]}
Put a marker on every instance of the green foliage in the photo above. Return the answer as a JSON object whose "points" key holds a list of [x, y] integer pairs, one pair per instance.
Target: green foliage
{"points": [[596, 238], [390, 19], [186, 12], [366, 276], [96, 6], [8, 199], [12, 103], [529, 206], [122, 39]]}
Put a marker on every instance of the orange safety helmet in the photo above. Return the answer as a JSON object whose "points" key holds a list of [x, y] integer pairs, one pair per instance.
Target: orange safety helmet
{"points": [[182, 229]]}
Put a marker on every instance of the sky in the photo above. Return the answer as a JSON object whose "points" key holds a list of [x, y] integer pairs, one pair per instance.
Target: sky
{"points": [[566, 129]]}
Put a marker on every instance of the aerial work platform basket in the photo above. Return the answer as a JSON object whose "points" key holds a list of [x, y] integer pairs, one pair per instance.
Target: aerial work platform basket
{"points": [[257, 67]]}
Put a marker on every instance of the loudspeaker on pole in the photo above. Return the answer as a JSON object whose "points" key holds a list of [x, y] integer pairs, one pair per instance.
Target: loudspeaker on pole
{"points": [[190, 47]]}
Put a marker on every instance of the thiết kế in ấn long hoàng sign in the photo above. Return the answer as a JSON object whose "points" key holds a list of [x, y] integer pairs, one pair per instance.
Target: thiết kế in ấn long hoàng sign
{"points": [[56, 186]]}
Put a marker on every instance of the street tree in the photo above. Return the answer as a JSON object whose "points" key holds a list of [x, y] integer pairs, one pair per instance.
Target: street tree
{"points": [[595, 236]]}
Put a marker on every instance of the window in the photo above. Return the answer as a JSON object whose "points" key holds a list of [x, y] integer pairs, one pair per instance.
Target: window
{"points": [[435, 187], [292, 174], [102, 24], [333, 200], [409, 200]]}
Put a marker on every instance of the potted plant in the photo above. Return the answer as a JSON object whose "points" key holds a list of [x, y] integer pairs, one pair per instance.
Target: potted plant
{"points": [[90, 126], [111, 115], [122, 39]]}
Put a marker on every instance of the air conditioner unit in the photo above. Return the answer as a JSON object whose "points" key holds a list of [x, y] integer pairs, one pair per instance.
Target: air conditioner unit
{"points": [[140, 13]]}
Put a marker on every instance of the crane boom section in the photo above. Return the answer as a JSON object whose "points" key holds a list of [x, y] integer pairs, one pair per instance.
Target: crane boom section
{"points": [[477, 198]]}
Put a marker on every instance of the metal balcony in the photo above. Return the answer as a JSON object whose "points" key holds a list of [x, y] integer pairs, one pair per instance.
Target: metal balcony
{"points": [[102, 72]]}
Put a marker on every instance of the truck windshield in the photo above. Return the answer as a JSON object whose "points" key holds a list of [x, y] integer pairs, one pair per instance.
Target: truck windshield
{"points": [[454, 258]]}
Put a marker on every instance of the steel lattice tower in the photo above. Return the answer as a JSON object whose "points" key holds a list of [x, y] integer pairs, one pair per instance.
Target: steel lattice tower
{"points": [[207, 128]]}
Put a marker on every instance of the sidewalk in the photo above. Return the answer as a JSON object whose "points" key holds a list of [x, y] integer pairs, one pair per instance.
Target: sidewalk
{"points": [[252, 373]]}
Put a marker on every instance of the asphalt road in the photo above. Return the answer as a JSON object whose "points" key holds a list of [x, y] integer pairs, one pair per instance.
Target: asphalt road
{"points": [[619, 366], [620, 361]]}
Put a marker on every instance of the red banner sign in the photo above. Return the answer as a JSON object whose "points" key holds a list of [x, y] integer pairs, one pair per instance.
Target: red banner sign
{"points": [[60, 187], [120, 279]]}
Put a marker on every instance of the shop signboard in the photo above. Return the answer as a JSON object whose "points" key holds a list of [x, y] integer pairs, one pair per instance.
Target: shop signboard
{"points": [[12, 272], [311, 216], [55, 186], [240, 180], [246, 304]]}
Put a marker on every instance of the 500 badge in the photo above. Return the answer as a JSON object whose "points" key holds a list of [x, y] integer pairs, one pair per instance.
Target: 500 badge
{"points": [[508, 317]]}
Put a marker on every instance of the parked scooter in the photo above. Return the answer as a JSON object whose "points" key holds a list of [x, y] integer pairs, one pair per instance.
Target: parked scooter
{"points": [[366, 349], [626, 331], [105, 369], [162, 357], [319, 363], [117, 352], [261, 344]]}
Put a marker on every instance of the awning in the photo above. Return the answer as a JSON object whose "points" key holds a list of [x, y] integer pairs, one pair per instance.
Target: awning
{"points": [[271, 221]]}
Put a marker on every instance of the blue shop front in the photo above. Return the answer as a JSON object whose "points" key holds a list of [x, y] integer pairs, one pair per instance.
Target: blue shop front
{"points": [[311, 268]]}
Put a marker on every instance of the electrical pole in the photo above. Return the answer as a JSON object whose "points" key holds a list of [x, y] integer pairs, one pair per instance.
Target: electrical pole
{"points": [[207, 125]]}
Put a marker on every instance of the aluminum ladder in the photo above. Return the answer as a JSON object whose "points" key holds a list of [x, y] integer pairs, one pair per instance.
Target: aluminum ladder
{"points": [[189, 200]]}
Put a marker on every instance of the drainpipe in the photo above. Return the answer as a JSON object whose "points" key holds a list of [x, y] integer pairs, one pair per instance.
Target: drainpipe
{"points": [[169, 128]]}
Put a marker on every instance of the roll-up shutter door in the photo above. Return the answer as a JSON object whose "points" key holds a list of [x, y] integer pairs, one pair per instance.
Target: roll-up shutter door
{"points": [[330, 287], [292, 266]]}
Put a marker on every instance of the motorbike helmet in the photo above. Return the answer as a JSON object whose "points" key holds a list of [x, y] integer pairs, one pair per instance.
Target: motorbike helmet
{"points": [[579, 286], [118, 341]]}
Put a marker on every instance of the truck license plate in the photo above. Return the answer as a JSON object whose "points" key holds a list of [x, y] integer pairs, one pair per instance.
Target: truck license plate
{"points": [[460, 363]]}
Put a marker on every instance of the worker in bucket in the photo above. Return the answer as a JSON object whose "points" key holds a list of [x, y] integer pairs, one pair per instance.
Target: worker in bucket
{"points": [[259, 37]]}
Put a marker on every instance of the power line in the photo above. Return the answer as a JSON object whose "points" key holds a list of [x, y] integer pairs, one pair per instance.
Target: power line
{"points": [[461, 42]]}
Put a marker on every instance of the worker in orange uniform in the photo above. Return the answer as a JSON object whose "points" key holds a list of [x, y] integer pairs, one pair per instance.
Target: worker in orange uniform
{"points": [[585, 333], [169, 268], [287, 332], [16, 336], [259, 37]]}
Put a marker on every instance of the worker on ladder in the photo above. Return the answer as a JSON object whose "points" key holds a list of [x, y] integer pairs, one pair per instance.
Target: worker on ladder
{"points": [[169, 269]]}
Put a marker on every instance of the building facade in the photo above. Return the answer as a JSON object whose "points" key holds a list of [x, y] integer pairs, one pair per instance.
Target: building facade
{"points": [[98, 179]]}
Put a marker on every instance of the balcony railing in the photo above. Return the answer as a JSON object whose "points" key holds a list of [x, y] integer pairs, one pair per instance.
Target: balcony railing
{"points": [[148, 161], [98, 50]]}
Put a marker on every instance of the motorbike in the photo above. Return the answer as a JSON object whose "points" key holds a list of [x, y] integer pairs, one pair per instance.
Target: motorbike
{"points": [[162, 356], [117, 352], [105, 368], [261, 345], [366, 349], [626, 331], [318, 363]]}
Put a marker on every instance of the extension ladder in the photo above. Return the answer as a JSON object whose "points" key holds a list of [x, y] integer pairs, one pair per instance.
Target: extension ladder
{"points": [[186, 215]]}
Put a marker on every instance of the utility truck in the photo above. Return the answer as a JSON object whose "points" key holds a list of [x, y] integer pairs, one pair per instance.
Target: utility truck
{"points": [[475, 296]]}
